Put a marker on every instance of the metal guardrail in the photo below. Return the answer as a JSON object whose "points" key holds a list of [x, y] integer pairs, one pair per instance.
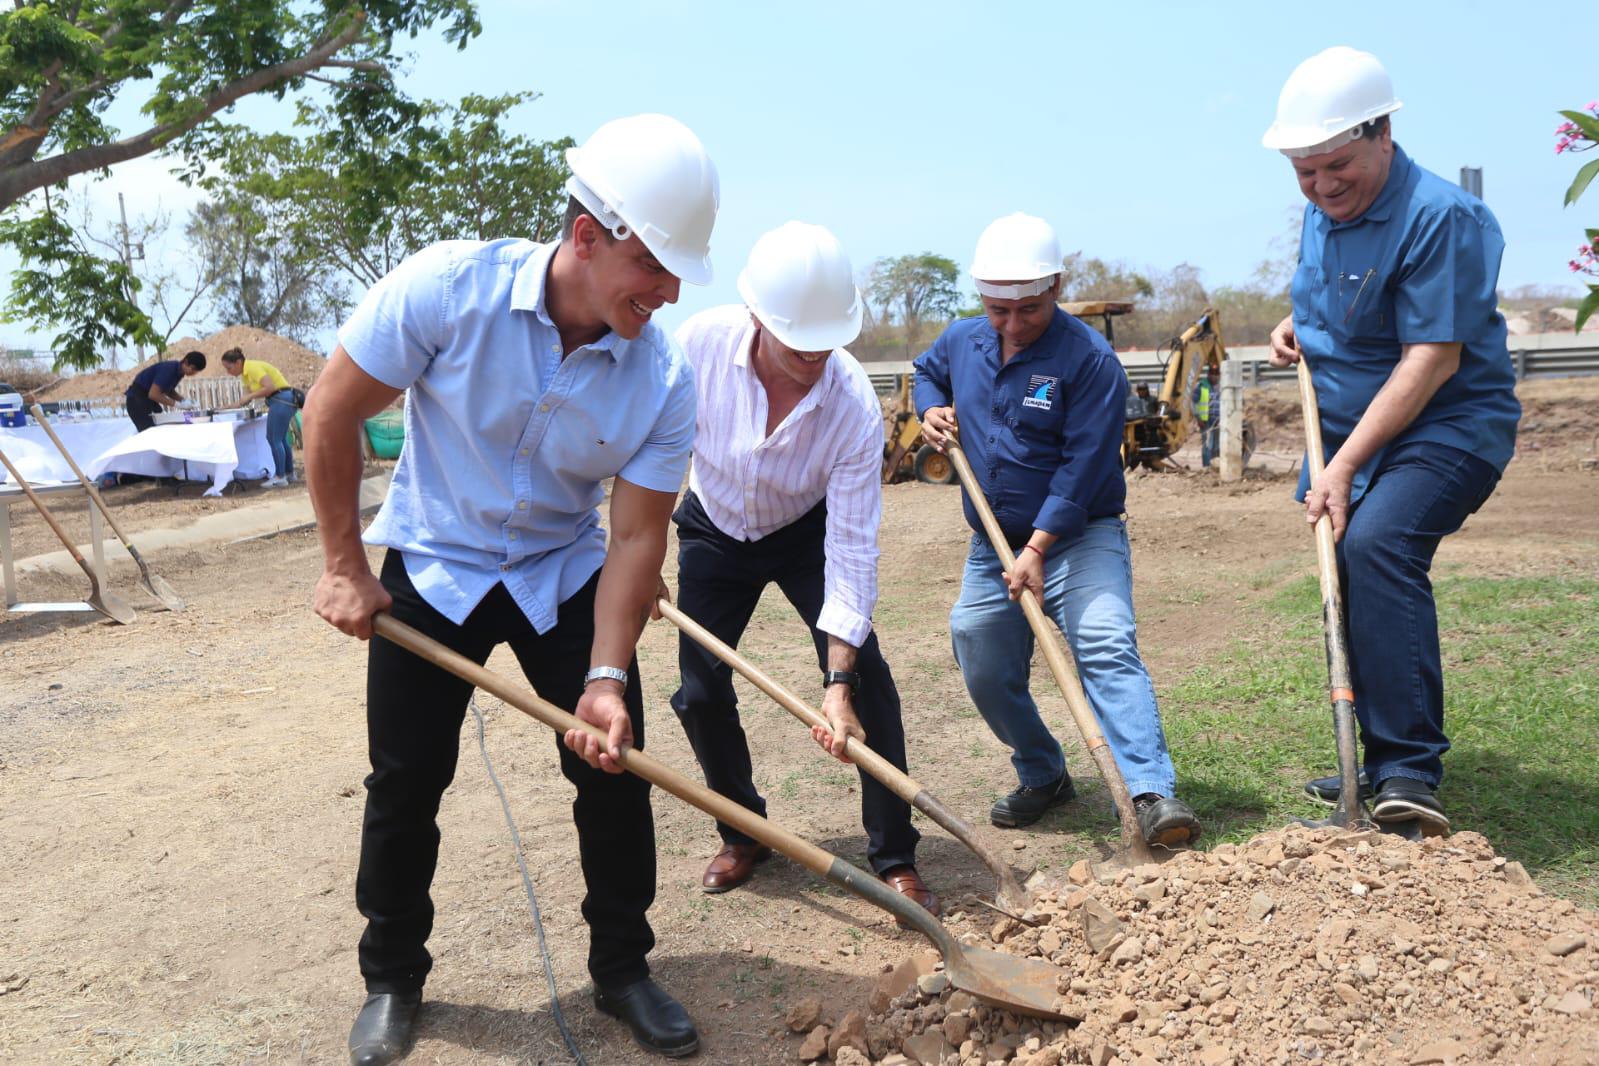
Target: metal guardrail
{"points": [[1538, 355]]}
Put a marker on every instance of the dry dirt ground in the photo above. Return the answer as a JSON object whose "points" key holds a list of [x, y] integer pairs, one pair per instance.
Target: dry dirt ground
{"points": [[180, 800]]}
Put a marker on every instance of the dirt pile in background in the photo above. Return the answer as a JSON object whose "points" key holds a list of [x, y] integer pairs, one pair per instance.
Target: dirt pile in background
{"points": [[299, 364], [1302, 945]]}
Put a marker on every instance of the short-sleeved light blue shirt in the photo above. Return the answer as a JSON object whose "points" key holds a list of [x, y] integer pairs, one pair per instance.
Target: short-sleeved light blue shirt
{"points": [[1421, 265], [506, 442]]}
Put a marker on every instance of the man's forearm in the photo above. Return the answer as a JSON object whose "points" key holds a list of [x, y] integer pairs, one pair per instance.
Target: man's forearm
{"points": [[333, 471], [628, 582], [1420, 373], [840, 653]]}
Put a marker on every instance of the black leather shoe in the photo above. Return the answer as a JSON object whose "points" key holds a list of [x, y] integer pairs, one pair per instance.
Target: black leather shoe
{"points": [[1166, 820], [382, 1031], [1027, 805], [1402, 799], [659, 1022], [1324, 790]]}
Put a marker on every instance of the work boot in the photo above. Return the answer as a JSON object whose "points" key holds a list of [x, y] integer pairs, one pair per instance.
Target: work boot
{"points": [[382, 1031], [1404, 799], [659, 1022], [1324, 790], [1166, 820], [1027, 805]]}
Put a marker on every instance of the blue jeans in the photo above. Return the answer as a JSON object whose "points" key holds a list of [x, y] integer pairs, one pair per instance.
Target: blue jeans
{"points": [[1209, 442], [1420, 493], [1088, 591], [280, 412]]}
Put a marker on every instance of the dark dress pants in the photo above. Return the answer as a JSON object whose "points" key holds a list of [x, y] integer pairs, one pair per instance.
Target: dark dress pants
{"points": [[720, 581], [1420, 493], [414, 715], [141, 410]]}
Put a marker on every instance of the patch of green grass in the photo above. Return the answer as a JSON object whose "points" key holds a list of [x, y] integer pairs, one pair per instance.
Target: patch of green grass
{"points": [[1521, 658]]}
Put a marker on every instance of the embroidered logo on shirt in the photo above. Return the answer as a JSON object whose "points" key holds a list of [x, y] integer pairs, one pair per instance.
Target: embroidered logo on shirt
{"points": [[1040, 392]]}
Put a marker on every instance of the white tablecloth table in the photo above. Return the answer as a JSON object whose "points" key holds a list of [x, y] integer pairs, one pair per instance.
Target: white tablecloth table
{"points": [[38, 460], [13, 494], [214, 451]]}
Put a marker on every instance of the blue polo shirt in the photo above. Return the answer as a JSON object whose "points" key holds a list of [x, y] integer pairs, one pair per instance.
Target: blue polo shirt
{"points": [[506, 442], [1043, 432], [168, 373], [1420, 265]]}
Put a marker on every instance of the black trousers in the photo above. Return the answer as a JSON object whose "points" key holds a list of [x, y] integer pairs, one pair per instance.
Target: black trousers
{"points": [[719, 583], [141, 409], [414, 716]]}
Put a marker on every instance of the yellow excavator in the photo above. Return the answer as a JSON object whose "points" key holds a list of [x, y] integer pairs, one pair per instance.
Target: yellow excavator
{"points": [[1157, 424]]}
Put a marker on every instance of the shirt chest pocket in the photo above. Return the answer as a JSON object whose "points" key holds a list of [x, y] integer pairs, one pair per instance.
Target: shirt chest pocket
{"points": [[1037, 421], [1363, 306]]}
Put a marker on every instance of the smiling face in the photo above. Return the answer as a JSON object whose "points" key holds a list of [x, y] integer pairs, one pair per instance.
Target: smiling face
{"points": [[776, 360], [1346, 181], [626, 283], [1021, 322]]}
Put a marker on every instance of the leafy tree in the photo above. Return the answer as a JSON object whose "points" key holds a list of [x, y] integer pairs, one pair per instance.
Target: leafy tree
{"points": [[63, 63], [1099, 279], [1580, 133], [912, 289]]}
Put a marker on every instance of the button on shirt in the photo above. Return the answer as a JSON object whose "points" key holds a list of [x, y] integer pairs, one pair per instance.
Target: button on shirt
{"points": [[829, 447], [1421, 265], [1043, 432], [506, 443]]}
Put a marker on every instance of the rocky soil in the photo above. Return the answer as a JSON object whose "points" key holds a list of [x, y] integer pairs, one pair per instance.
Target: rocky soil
{"points": [[1303, 945]]}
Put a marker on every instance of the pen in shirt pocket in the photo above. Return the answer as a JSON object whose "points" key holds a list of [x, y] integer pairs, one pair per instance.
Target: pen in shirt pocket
{"points": [[1370, 273]]}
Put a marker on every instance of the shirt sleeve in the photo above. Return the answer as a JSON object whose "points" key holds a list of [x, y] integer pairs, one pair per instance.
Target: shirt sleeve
{"points": [[662, 460], [399, 325], [1095, 414], [1447, 279], [854, 511], [933, 387]]}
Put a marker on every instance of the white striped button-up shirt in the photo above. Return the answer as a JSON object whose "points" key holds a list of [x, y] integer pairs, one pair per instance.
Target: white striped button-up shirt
{"points": [[829, 447]]}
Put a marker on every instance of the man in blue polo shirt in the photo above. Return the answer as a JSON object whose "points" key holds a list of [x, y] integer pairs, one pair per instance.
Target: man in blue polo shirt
{"points": [[531, 372], [1042, 403], [156, 386], [1395, 311]]}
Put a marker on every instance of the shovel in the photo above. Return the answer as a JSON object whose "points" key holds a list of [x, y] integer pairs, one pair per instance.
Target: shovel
{"points": [[151, 582], [1135, 850], [1027, 986], [102, 600], [1009, 895], [1347, 814]]}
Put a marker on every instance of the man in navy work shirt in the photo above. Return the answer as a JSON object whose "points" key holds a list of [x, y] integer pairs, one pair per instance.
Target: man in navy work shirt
{"points": [[1395, 311], [787, 488], [1042, 404], [156, 386], [531, 373]]}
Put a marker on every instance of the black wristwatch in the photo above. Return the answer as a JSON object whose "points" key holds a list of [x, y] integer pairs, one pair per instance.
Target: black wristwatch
{"points": [[842, 677]]}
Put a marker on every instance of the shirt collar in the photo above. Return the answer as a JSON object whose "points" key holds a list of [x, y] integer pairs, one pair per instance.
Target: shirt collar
{"points": [[1382, 207], [987, 338], [528, 290]]}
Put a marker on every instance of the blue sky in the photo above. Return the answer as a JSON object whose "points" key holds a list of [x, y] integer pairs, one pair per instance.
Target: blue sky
{"points": [[1134, 129]]}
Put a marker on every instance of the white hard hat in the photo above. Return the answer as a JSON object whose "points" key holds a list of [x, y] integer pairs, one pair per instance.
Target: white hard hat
{"points": [[649, 175], [799, 285], [1326, 101], [1016, 248]]}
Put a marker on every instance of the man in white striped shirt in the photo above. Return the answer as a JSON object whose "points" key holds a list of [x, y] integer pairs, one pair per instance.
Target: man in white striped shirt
{"points": [[785, 487]]}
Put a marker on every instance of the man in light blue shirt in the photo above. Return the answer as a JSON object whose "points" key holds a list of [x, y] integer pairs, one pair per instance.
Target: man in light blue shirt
{"points": [[1395, 312], [531, 373]]}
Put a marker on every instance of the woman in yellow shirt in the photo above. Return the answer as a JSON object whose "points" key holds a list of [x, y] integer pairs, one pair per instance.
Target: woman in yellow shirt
{"points": [[263, 380]]}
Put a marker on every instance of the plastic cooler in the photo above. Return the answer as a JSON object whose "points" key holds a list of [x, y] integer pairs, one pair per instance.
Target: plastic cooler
{"points": [[387, 434]]}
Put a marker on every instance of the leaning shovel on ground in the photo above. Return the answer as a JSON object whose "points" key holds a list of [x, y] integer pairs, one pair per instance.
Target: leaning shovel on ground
{"points": [[103, 600], [1008, 893], [1027, 986], [1345, 815], [1135, 850], [151, 582]]}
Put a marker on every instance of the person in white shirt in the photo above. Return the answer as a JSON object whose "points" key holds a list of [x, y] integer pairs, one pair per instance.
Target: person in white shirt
{"points": [[785, 487]]}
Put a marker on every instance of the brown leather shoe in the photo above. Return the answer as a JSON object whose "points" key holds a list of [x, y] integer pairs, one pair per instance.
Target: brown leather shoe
{"points": [[907, 882], [733, 865]]}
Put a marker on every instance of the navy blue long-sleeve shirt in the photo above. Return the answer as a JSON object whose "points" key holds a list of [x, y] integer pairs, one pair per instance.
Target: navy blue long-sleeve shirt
{"points": [[1043, 432]]}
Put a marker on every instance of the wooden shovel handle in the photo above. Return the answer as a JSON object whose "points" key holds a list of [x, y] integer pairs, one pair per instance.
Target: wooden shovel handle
{"points": [[89, 486]]}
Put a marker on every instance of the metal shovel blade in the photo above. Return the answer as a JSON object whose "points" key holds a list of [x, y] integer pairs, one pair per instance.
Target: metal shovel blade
{"points": [[112, 606], [157, 587]]}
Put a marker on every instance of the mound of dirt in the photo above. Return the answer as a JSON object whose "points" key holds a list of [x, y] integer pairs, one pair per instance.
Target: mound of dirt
{"points": [[299, 364], [1299, 945]]}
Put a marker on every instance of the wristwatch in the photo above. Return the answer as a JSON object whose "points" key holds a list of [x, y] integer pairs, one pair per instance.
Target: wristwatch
{"points": [[605, 673], [842, 677]]}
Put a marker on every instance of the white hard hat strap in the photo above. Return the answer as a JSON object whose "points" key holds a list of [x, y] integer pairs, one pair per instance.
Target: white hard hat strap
{"points": [[602, 211], [1331, 144], [1014, 292]]}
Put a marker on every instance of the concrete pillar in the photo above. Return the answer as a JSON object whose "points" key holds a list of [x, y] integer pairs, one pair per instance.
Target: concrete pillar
{"points": [[1232, 420]]}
